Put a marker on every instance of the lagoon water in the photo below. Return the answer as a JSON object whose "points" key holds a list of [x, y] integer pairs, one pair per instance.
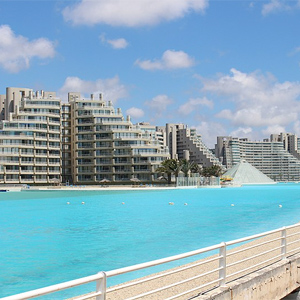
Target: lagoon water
{"points": [[44, 240]]}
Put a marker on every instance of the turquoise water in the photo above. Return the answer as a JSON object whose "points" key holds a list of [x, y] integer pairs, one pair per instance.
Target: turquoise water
{"points": [[45, 241]]}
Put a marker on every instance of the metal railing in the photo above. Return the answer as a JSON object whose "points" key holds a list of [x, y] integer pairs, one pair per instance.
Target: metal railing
{"points": [[224, 265]]}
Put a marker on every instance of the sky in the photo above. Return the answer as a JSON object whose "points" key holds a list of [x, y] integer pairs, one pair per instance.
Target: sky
{"points": [[223, 67]]}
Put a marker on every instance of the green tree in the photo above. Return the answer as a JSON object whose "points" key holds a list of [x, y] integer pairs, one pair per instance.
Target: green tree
{"points": [[186, 166], [214, 170], [169, 167], [175, 166], [196, 168]]}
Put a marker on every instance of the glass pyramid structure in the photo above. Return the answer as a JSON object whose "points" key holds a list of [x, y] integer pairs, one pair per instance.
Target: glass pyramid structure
{"points": [[245, 173]]}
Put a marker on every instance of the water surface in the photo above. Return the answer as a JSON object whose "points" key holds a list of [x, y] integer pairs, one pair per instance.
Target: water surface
{"points": [[44, 240]]}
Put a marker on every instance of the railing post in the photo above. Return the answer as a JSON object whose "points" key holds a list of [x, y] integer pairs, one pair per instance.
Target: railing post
{"points": [[283, 243], [101, 286], [222, 265]]}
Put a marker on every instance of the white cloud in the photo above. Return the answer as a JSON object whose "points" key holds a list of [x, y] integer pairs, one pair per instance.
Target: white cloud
{"points": [[16, 51], [209, 130], [158, 107], [120, 43], [135, 112], [131, 14], [295, 51], [241, 132], [274, 5], [273, 129], [258, 100], [279, 5], [159, 103], [170, 60], [193, 104], [296, 127], [111, 88]]}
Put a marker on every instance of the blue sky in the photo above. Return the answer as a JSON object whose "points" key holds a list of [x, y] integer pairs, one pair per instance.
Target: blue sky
{"points": [[223, 67]]}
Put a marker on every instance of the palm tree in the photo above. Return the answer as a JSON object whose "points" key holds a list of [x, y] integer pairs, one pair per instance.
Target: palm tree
{"points": [[169, 167], [186, 167], [196, 168], [175, 166]]}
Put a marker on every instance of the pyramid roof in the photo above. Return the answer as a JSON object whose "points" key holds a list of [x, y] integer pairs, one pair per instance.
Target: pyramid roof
{"points": [[245, 173]]}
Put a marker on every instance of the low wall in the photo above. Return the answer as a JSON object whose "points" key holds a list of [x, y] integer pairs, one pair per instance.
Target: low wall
{"points": [[271, 283]]}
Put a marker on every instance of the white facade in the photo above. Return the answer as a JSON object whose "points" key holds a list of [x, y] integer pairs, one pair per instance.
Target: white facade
{"points": [[105, 145], [45, 141], [270, 157], [185, 143], [30, 137]]}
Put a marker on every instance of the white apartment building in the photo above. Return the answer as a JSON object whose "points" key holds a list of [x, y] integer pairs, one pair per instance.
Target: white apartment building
{"points": [[107, 146], [85, 141], [30, 135], [269, 156], [185, 143]]}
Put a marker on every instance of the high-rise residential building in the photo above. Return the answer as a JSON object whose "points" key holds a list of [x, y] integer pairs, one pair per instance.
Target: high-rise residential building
{"points": [[83, 141], [270, 156], [30, 137], [107, 146], [291, 142], [185, 143], [66, 138]]}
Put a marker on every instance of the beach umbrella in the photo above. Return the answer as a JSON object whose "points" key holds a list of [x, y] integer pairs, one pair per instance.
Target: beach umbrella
{"points": [[55, 180], [161, 178], [104, 180], [135, 180]]}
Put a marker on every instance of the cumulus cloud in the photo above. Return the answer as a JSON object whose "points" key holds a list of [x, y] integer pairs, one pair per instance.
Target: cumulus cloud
{"points": [[16, 51], [130, 14], [193, 104], [279, 5], [241, 132], [274, 5], [209, 130], [158, 107], [273, 129], [258, 100], [159, 102], [295, 51], [135, 112], [111, 88], [296, 127], [170, 60], [120, 43]]}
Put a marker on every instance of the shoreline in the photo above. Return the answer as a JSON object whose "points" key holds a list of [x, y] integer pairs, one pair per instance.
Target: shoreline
{"points": [[102, 188]]}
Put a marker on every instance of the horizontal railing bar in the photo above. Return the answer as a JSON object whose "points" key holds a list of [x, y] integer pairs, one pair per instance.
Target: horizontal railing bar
{"points": [[161, 261], [293, 250], [293, 242], [293, 226], [172, 285], [162, 275], [253, 266], [252, 237], [251, 247], [54, 288], [194, 289], [292, 234], [254, 256]]}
